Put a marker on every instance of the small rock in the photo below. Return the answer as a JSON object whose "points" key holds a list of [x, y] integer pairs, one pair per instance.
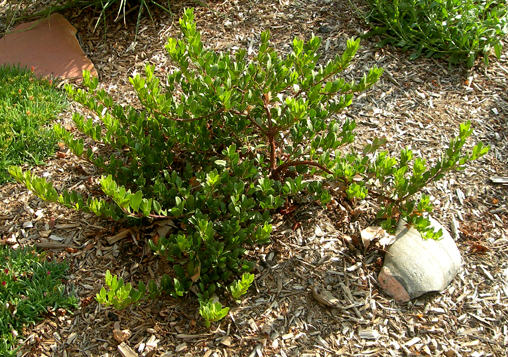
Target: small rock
{"points": [[414, 266]]}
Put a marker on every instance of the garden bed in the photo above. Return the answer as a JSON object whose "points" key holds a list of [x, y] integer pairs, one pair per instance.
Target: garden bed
{"points": [[417, 103]]}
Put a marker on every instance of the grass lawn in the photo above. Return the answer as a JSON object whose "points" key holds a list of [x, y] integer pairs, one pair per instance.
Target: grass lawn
{"points": [[30, 286], [27, 107]]}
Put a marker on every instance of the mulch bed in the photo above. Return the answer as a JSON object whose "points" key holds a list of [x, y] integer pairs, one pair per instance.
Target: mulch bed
{"points": [[417, 103]]}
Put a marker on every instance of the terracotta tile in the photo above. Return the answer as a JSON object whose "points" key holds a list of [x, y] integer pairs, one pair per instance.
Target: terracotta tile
{"points": [[50, 46]]}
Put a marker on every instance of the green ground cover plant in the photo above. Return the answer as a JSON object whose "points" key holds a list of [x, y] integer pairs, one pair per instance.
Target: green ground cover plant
{"points": [[462, 30], [27, 107], [30, 287], [225, 141]]}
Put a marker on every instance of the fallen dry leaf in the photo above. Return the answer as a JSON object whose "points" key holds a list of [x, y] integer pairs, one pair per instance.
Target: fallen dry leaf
{"points": [[121, 335], [371, 233]]}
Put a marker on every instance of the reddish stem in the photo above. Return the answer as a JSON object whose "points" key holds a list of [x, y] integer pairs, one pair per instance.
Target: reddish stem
{"points": [[273, 166]]}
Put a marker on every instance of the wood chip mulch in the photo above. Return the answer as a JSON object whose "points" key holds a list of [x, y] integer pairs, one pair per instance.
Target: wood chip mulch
{"points": [[315, 292]]}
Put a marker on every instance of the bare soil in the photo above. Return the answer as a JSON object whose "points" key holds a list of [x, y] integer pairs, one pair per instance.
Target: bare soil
{"points": [[416, 103]]}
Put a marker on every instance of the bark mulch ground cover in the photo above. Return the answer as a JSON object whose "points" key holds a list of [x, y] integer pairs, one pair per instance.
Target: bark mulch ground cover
{"points": [[417, 103]]}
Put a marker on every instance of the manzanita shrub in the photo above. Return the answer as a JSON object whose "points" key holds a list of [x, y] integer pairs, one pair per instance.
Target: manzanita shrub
{"points": [[224, 142]]}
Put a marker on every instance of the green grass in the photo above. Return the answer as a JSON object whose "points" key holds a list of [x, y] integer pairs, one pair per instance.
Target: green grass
{"points": [[30, 286], [27, 107]]}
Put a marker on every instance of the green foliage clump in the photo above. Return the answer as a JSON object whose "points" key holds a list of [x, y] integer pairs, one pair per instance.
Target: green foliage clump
{"points": [[463, 30], [212, 311], [27, 106], [240, 287], [222, 143], [30, 286], [120, 295]]}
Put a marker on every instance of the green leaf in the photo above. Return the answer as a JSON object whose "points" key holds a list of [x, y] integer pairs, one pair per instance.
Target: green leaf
{"points": [[135, 200], [470, 60], [179, 271], [498, 50], [211, 311]]}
